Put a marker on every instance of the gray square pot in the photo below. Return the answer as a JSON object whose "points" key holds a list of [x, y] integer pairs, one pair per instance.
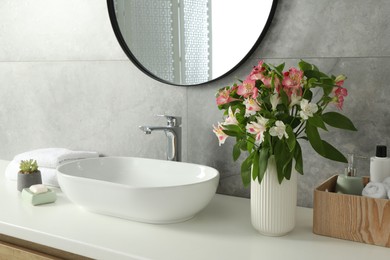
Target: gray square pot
{"points": [[26, 180]]}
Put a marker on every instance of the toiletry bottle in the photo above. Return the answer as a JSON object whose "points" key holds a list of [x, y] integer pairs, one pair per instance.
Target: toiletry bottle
{"points": [[379, 165], [349, 183]]}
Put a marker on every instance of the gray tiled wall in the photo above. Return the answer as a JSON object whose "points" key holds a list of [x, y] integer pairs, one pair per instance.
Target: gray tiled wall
{"points": [[349, 37], [66, 82]]}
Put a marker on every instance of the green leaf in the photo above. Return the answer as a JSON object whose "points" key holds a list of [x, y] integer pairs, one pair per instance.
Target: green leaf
{"points": [[298, 158], [327, 89], [326, 99], [322, 147], [246, 170], [328, 82], [279, 162], [315, 74], [284, 97], [250, 143], [312, 81], [237, 150], [267, 140], [308, 95], [280, 68], [338, 120], [303, 65], [233, 128], [314, 138], [243, 146], [333, 154], [263, 163], [255, 165], [282, 158], [291, 140], [295, 124], [287, 170], [273, 78], [317, 121], [231, 133]]}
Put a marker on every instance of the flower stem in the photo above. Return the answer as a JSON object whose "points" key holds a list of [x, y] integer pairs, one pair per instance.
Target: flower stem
{"points": [[300, 130]]}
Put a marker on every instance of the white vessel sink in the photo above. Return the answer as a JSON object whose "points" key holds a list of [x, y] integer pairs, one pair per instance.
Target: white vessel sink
{"points": [[139, 189]]}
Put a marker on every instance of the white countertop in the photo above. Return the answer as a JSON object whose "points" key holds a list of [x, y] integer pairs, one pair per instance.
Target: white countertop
{"points": [[221, 231]]}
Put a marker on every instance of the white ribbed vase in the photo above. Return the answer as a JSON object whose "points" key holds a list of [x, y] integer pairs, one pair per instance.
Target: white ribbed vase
{"points": [[273, 205]]}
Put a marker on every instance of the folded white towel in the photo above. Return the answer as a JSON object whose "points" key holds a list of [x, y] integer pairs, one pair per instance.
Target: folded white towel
{"points": [[49, 175], [48, 160], [53, 157], [375, 190], [386, 182]]}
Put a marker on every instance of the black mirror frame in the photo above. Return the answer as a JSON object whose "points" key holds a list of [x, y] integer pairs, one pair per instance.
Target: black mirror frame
{"points": [[123, 44]]}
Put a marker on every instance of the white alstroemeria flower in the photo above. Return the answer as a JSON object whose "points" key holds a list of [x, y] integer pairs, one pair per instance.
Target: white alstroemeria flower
{"points": [[257, 128], [251, 107], [278, 130], [274, 99], [295, 100], [231, 119], [308, 109]]}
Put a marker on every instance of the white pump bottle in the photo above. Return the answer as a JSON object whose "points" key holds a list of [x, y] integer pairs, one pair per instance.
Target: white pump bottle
{"points": [[379, 165]]}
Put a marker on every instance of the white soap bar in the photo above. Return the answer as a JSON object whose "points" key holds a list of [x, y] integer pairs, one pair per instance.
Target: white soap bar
{"points": [[38, 188]]}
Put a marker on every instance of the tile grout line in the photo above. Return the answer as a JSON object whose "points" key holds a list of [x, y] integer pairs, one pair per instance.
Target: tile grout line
{"points": [[310, 57]]}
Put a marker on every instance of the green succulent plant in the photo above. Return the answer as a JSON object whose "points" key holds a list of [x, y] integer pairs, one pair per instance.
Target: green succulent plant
{"points": [[28, 166]]}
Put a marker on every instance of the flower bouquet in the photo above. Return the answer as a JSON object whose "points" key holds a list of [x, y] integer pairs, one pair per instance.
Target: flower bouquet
{"points": [[271, 109]]}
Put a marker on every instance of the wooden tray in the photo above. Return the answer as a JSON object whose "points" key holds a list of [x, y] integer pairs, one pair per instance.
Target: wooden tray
{"points": [[350, 217]]}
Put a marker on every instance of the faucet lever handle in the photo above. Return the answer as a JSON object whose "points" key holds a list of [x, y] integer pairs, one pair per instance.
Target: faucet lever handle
{"points": [[172, 120]]}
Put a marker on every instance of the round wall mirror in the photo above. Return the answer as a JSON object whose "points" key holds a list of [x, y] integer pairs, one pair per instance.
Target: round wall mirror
{"points": [[189, 42]]}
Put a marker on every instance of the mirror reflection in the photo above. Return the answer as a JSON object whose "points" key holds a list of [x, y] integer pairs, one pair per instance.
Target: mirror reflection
{"points": [[189, 42]]}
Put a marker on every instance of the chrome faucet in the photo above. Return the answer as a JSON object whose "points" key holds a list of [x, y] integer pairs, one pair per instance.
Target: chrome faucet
{"points": [[172, 132]]}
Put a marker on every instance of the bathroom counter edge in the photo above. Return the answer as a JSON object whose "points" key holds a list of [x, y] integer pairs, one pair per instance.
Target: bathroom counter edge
{"points": [[221, 231]]}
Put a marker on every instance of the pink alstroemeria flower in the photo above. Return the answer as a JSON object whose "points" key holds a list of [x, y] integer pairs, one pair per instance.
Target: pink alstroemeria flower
{"points": [[257, 71], [340, 80], [339, 93], [248, 89], [251, 107], [267, 80], [223, 97], [292, 80], [218, 130]]}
